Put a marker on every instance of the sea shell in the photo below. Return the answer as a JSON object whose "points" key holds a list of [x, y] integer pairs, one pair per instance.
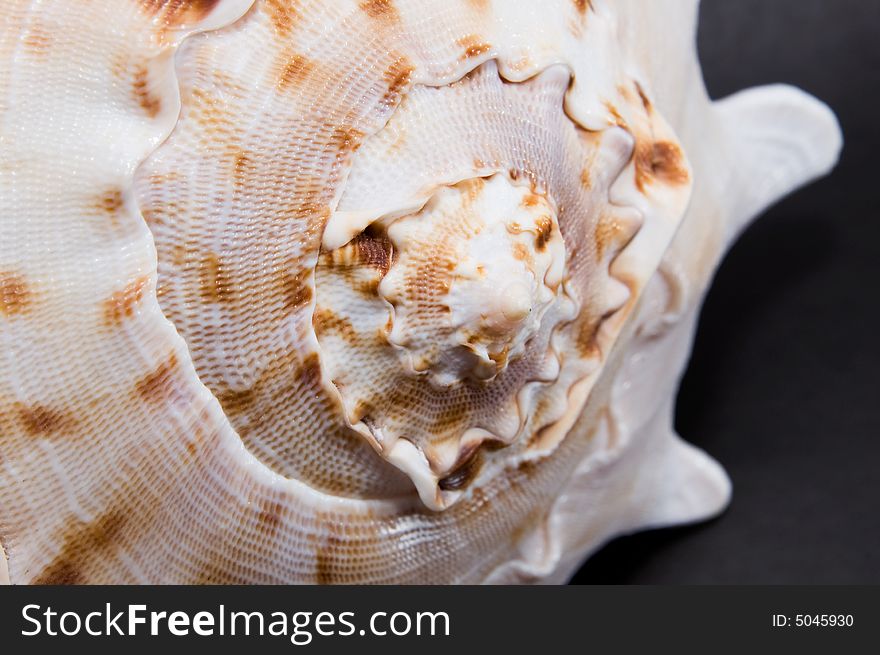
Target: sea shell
{"points": [[379, 291]]}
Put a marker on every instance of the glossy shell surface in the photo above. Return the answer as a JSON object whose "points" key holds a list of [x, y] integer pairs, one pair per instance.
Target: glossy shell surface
{"points": [[353, 292]]}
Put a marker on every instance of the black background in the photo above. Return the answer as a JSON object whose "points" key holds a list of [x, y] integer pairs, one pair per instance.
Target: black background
{"points": [[783, 385]]}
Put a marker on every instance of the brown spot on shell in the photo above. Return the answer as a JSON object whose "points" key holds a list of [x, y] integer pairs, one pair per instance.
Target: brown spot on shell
{"points": [[15, 295], [326, 561], [143, 94], [110, 202], [294, 70], [545, 229], [582, 6], [296, 290], [269, 518], [371, 248], [38, 420], [236, 402], [473, 46], [37, 40], [242, 167], [646, 103], [615, 117], [82, 542], [586, 330], [611, 232], [662, 161], [210, 111], [59, 572], [178, 12], [283, 15], [374, 249], [346, 140], [379, 9], [309, 371], [369, 288], [325, 321], [531, 200], [397, 78], [317, 211], [472, 188], [214, 283], [121, 305], [157, 385], [586, 178]]}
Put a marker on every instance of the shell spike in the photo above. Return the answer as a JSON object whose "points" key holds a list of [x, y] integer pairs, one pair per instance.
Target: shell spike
{"points": [[780, 138]]}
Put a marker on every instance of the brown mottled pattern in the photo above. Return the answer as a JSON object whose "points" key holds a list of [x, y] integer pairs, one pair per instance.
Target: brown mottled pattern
{"points": [[15, 295], [295, 69], [397, 77], [235, 402], [473, 46], [263, 400], [39, 420], [611, 233], [662, 161], [37, 41], [328, 563], [148, 101], [582, 5], [210, 111], [325, 322], [646, 102], [521, 253], [179, 12], [121, 305], [296, 289], [282, 13], [82, 543], [270, 516], [157, 385], [616, 117], [381, 9], [213, 503], [374, 249], [110, 201], [545, 229], [586, 328], [531, 200], [214, 284], [346, 140], [586, 178]]}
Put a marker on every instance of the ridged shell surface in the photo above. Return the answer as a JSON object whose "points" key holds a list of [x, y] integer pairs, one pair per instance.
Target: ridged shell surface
{"points": [[357, 292]]}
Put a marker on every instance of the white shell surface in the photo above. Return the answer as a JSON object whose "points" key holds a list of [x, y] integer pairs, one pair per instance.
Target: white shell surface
{"points": [[240, 318]]}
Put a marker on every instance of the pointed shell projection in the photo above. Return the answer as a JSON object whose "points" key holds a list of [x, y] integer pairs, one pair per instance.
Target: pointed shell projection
{"points": [[352, 292]]}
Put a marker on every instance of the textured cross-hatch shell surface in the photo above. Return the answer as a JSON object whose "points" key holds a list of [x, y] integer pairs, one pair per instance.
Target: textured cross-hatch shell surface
{"points": [[358, 292]]}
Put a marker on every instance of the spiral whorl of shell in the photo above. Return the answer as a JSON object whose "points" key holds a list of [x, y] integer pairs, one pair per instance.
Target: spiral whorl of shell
{"points": [[297, 290], [321, 213], [468, 230]]}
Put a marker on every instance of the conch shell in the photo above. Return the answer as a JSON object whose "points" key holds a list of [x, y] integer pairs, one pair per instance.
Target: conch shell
{"points": [[353, 292]]}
